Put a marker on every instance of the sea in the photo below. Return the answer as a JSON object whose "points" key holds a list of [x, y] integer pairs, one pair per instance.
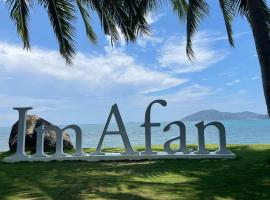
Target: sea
{"points": [[237, 132]]}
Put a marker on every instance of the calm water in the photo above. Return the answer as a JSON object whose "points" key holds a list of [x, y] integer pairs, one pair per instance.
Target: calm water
{"points": [[237, 132]]}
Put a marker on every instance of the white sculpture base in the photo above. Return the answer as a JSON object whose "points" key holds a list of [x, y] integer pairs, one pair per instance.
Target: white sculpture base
{"points": [[119, 156]]}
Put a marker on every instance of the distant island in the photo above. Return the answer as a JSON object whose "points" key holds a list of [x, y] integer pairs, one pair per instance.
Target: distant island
{"points": [[218, 115]]}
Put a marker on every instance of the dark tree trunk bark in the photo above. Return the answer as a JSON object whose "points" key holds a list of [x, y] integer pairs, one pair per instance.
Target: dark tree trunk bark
{"points": [[257, 19]]}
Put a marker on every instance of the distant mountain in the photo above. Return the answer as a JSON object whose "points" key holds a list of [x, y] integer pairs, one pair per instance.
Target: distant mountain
{"points": [[217, 115]]}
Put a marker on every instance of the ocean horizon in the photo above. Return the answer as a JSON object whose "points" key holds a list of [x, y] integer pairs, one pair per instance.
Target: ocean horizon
{"points": [[237, 132]]}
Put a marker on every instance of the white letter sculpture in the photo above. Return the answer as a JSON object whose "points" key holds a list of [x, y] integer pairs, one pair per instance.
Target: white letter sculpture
{"points": [[222, 139], [122, 132], [129, 154], [147, 125], [182, 138], [20, 150]]}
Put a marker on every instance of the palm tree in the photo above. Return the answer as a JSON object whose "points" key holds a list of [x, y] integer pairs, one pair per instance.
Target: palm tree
{"points": [[116, 16], [257, 13], [125, 16], [128, 17]]}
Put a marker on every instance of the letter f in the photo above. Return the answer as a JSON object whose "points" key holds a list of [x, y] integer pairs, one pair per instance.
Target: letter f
{"points": [[147, 125]]}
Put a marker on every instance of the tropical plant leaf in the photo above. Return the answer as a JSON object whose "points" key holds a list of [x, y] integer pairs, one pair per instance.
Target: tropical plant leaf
{"points": [[197, 11], [181, 8], [150, 5], [106, 19], [138, 15], [86, 19], [238, 6], [122, 16], [228, 18], [241, 7], [19, 13], [267, 12], [62, 14]]}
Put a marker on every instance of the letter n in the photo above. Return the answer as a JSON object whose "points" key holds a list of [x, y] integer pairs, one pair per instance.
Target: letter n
{"points": [[222, 138]]}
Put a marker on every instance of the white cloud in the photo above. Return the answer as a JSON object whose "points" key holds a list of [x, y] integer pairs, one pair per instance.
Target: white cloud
{"points": [[144, 40], [241, 92], [17, 101], [185, 100], [193, 92], [114, 69], [255, 78], [216, 36], [121, 39], [173, 53], [255, 55], [227, 74], [233, 82], [152, 18], [40, 105]]}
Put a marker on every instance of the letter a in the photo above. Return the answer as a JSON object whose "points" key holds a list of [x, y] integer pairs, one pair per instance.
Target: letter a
{"points": [[182, 138], [122, 132]]}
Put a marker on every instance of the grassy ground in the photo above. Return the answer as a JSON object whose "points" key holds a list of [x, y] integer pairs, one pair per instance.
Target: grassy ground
{"points": [[246, 177]]}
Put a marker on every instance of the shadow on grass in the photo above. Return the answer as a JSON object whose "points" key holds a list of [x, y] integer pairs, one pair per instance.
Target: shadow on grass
{"points": [[246, 177]]}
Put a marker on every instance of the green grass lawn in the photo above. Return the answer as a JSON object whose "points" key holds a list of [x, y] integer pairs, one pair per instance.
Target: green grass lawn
{"points": [[246, 177]]}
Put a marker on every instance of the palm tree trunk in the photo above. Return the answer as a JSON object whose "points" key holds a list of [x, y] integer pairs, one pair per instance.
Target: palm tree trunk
{"points": [[257, 19]]}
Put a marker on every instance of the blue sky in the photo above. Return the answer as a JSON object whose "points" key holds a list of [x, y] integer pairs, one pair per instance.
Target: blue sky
{"points": [[221, 77]]}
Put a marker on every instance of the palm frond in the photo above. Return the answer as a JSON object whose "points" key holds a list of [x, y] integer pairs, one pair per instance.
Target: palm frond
{"points": [[126, 16], [241, 7], [181, 8], [19, 13], [106, 19], [238, 6], [86, 19], [228, 18], [140, 9], [197, 11], [267, 13], [61, 15], [150, 5]]}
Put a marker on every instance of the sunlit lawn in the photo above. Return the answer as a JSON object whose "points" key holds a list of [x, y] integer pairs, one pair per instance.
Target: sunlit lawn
{"points": [[246, 177]]}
